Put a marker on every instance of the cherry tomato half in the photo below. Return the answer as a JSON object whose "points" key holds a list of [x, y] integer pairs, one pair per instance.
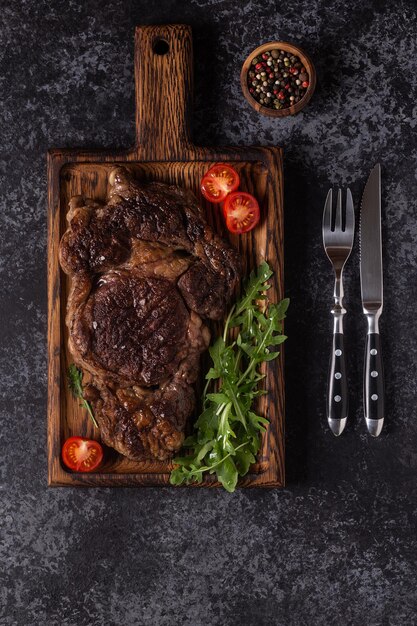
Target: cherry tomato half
{"points": [[241, 211], [82, 455], [219, 181]]}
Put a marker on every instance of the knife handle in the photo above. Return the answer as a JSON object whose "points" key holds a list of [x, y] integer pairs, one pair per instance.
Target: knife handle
{"points": [[337, 390], [373, 382]]}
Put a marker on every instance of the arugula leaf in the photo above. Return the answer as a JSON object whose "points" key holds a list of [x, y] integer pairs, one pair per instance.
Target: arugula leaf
{"points": [[75, 383], [227, 434], [227, 474], [243, 460]]}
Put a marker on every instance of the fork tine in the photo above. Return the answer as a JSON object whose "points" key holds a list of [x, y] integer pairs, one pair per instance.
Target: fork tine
{"points": [[327, 213], [338, 221], [350, 213]]}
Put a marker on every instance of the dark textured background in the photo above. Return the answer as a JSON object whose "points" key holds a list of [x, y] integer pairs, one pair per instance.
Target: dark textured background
{"points": [[338, 545]]}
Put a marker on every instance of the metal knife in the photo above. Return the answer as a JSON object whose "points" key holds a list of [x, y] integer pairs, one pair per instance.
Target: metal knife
{"points": [[372, 300]]}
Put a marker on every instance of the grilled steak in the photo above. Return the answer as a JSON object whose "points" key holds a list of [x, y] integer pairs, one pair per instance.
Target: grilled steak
{"points": [[145, 269]]}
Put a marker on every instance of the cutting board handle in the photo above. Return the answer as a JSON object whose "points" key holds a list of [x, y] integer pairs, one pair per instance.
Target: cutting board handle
{"points": [[163, 88]]}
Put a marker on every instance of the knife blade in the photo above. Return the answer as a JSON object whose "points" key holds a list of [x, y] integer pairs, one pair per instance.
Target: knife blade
{"points": [[372, 300]]}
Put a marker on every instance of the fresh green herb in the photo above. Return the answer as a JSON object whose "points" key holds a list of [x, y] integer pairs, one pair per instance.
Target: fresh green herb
{"points": [[75, 382], [227, 434]]}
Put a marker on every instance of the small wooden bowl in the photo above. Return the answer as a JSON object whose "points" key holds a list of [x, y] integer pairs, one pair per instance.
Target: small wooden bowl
{"points": [[306, 61]]}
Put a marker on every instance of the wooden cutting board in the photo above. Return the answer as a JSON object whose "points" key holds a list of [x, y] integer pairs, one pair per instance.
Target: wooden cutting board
{"points": [[163, 152]]}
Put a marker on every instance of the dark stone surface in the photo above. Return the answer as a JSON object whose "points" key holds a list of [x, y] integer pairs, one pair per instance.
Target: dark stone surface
{"points": [[338, 545]]}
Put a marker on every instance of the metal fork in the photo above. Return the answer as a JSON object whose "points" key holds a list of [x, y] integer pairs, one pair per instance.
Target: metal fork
{"points": [[338, 236]]}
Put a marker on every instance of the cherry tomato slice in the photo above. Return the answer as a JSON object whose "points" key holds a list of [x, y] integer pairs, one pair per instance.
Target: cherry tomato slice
{"points": [[241, 211], [82, 455], [219, 181]]}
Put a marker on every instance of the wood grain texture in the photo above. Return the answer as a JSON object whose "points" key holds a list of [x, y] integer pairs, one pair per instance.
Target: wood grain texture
{"points": [[306, 61], [164, 153]]}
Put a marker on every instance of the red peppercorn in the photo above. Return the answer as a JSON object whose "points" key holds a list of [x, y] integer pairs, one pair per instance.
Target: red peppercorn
{"points": [[265, 56], [271, 75], [293, 70], [251, 90], [258, 66], [281, 95], [287, 86], [305, 84], [275, 91]]}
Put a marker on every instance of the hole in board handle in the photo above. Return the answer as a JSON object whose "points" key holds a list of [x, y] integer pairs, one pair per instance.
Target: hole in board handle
{"points": [[160, 46]]}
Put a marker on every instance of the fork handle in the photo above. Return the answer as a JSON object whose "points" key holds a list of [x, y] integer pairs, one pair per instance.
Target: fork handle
{"points": [[337, 390]]}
